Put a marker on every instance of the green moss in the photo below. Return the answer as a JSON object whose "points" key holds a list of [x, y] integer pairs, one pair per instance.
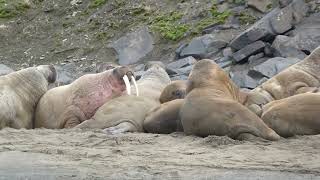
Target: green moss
{"points": [[169, 26], [269, 6], [11, 8], [103, 35], [246, 18], [215, 18], [97, 3]]}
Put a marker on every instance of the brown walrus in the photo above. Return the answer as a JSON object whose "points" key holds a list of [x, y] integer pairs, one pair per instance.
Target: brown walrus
{"points": [[165, 119], [127, 113], [295, 115], [20, 92], [299, 78], [213, 106], [69, 105], [175, 90]]}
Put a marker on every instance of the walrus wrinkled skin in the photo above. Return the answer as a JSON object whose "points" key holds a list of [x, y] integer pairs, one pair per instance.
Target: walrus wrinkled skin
{"points": [[299, 78], [20, 92], [295, 115], [165, 118], [175, 90], [212, 106], [127, 113], [69, 105]]}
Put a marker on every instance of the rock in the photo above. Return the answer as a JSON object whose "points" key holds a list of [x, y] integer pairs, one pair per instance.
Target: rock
{"points": [[268, 50], [179, 49], [203, 46], [260, 5], [284, 3], [179, 77], [276, 22], [241, 79], [248, 50], [284, 47], [224, 62], [105, 66], [255, 57], [66, 74], [227, 52], [306, 36], [4, 70], [187, 61], [133, 46], [273, 66]]}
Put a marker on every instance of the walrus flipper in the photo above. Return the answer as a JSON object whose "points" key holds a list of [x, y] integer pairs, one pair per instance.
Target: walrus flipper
{"points": [[120, 128], [71, 117]]}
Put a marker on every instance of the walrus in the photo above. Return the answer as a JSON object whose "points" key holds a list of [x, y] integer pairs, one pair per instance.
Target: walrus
{"points": [[165, 119], [127, 113], [213, 106], [295, 115], [175, 90], [301, 77], [20, 92], [69, 105]]}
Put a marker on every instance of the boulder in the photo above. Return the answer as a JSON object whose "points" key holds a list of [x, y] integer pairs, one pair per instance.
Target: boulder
{"points": [[273, 66], [248, 50], [4, 70], [260, 5], [285, 47], [276, 22], [132, 47], [203, 46]]}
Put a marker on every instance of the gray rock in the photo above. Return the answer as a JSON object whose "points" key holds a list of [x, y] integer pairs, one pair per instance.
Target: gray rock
{"points": [[275, 22], [248, 50], [133, 46], [66, 74], [306, 36], [260, 5], [242, 80], [224, 62], [227, 52], [284, 47], [4, 70], [179, 77], [179, 49], [284, 3], [255, 57], [187, 61], [203, 46], [273, 66]]}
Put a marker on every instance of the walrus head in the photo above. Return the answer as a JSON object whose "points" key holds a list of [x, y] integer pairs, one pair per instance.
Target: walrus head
{"points": [[175, 90], [203, 73], [49, 72], [125, 74]]}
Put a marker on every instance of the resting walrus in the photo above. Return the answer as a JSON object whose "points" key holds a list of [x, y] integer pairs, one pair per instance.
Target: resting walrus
{"points": [[127, 113], [69, 105], [213, 106], [20, 92], [165, 119], [299, 78], [295, 115]]}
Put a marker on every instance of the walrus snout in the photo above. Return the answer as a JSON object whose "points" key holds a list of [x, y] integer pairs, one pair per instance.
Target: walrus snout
{"points": [[126, 74]]}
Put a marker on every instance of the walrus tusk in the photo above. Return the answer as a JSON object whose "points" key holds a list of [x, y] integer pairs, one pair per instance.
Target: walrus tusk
{"points": [[135, 85], [126, 81]]}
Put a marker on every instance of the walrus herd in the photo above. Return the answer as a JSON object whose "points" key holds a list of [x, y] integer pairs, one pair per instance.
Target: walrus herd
{"points": [[207, 103]]}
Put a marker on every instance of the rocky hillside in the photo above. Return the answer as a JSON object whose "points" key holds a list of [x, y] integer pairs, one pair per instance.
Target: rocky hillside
{"points": [[251, 39]]}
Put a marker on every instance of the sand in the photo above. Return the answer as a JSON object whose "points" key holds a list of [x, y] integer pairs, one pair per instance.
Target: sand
{"points": [[80, 154]]}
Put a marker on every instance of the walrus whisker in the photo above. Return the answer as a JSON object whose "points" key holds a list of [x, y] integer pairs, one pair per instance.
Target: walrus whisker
{"points": [[127, 83], [135, 85]]}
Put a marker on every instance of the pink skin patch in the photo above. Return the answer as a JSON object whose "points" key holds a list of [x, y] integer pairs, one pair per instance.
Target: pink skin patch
{"points": [[96, 90]]}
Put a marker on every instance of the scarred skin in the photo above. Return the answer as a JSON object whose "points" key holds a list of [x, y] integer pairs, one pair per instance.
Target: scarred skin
{"points": [[69, 105], [20, 92], [127, 113], [299, 78], [213, 106]]}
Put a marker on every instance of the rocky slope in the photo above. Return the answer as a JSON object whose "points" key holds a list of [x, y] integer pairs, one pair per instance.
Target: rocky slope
{"points": [[252, 39]]}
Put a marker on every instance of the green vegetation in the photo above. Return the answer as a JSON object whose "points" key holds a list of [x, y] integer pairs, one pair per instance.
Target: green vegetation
{"points": [[215, 18], [11, 8], [169, 26], [97, 3], [246, 18]]}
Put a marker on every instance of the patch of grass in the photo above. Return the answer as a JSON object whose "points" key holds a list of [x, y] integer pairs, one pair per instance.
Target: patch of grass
{"points": [[215, 18], [97, 3], [246, 18], [169, 26], [11, 8]]}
